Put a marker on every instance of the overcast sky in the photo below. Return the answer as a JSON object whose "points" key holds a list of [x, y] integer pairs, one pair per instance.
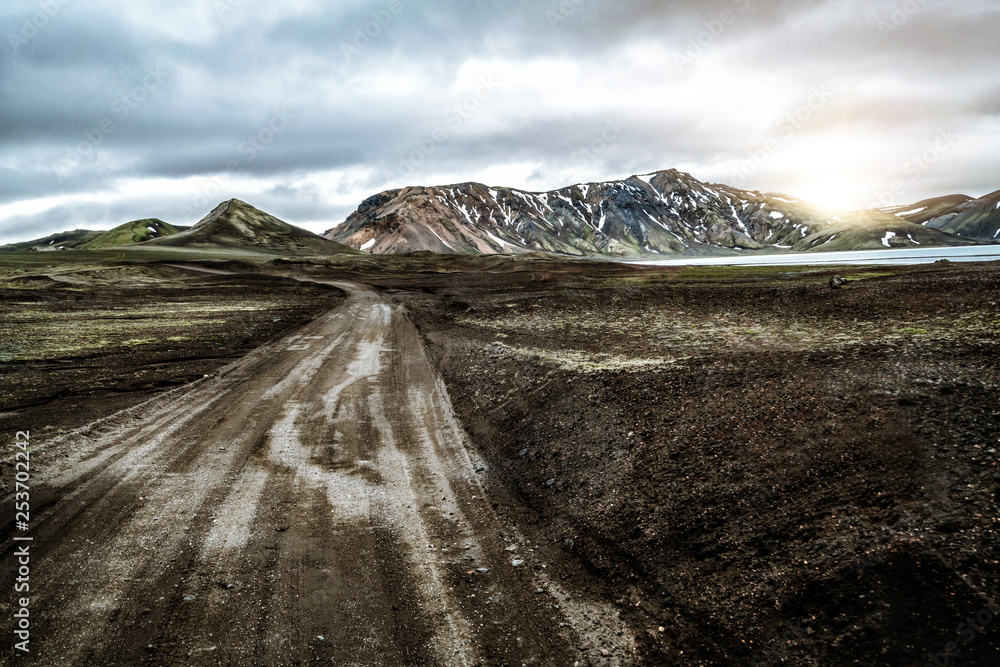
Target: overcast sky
{"points": [[113, 111]]}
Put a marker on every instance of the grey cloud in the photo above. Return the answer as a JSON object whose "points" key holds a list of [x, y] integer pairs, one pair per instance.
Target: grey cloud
{"points": [[225, 81]]}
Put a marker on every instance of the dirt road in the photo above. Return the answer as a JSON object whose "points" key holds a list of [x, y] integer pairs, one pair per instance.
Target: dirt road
{"points": [[313, 502]]}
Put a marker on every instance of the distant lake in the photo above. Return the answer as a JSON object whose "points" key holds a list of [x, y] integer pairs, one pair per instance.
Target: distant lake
{"points": [[901, 256]]}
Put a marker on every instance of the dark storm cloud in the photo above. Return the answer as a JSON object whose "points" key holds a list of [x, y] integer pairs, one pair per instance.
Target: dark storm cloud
{"points": [[310, 106]]}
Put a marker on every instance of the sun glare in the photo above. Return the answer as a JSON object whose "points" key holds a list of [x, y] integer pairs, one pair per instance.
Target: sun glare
{"points": [[830, 172], [827, 192]]}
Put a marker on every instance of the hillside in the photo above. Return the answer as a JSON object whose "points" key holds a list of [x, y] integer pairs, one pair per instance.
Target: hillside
{"points": [[958, 215], [666, 212], [235, 223], [133, 232], [874, 231], [59, 241]]}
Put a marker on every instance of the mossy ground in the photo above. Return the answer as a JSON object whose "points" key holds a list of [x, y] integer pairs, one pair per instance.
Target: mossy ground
{"points": [[78, 342]]}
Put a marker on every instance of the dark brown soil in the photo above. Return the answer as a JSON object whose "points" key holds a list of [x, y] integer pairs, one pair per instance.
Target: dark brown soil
{"points": [[825, 496]]}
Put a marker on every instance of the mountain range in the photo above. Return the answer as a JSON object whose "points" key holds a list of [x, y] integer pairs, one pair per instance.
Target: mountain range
{"points": [[662, 213], [665, 212]]}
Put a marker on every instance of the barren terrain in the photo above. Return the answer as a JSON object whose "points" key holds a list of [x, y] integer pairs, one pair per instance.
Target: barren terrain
{"points": [[765, 470], [502, 461]]}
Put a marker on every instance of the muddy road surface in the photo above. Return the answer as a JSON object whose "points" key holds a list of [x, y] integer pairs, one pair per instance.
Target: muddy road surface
{"points": [[312, 503]]}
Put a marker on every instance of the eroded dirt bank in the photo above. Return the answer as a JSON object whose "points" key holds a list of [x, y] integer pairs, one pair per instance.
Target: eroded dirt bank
{"points": [[764, 470]]}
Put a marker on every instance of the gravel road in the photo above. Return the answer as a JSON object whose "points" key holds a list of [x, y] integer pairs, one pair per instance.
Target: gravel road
{"points": [[314, 502]]}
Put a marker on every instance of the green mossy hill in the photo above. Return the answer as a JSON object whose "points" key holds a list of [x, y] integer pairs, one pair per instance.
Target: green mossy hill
{"points": [[131, 233], [237, 224]]}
